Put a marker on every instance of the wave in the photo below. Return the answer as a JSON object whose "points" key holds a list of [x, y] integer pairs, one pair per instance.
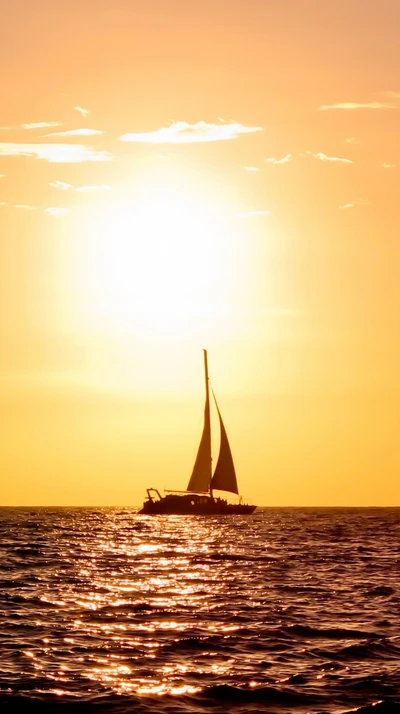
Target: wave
{"points": [[220, 699], [334, 633]]}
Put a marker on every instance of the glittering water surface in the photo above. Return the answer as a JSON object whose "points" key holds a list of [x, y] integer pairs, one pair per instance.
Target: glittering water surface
{"points": [[288, 610]]}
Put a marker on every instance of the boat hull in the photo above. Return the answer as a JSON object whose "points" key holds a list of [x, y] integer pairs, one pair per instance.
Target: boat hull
{"points": [[194, 506]]}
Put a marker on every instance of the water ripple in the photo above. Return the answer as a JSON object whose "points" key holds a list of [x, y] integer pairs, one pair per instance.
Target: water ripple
{"points": [[287, 610]]}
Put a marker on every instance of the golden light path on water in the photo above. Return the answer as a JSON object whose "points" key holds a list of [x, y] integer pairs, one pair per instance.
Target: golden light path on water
{"points": [[174, 586], [283, 609]]}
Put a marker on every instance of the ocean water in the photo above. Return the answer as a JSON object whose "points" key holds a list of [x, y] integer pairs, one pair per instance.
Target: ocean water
{"points": [[288, 610]]}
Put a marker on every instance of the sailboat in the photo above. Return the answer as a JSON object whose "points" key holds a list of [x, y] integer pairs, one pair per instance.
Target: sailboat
{"points": [[198, 499]]}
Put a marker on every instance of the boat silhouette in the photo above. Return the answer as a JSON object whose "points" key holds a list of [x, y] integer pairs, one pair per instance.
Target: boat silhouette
{"points": [[198, 499]]}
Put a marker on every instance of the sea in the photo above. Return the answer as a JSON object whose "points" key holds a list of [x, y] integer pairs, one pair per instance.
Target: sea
{"points": [[287, 610]]}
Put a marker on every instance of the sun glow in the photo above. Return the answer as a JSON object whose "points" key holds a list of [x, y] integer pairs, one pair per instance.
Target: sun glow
{"points": [[157, 263]]}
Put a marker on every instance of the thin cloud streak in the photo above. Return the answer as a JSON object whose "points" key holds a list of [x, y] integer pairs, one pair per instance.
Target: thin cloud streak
{"points": [[251, 168], [356, 105], [25, 207], [183, 133], [320, 155], [74, 132], [83, 112], [41, 125], [60, 185], [387, 165], [55, 153], [54, 211], [345, 206], [276, 162], [325, 157]]}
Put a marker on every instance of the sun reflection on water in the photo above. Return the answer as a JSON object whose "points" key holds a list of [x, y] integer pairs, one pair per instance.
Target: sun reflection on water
{"points": [[136, 589]]}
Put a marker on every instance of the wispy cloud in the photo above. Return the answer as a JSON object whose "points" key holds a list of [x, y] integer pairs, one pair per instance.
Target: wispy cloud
{"points": [[75, 132], [3, 203], [345, 206], [60, 185], [325, 157], [83, 112], [387, 165], [252, 214], [2, 175], [183, 133], [41, 125], [90, 189], [55, 153], [251, 168], [284, 160], [25, 207], [357, 105], [351, 140], [51, 211], [320, 156], [54, 211]]}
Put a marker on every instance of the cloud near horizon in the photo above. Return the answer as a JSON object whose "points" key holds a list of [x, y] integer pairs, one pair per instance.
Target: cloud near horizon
{"points": [[183, 133], [387, 165], [356, 105], [55, 153]]}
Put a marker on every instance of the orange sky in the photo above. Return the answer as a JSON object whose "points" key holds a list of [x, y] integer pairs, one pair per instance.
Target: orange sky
{"points": [[174, 177]]}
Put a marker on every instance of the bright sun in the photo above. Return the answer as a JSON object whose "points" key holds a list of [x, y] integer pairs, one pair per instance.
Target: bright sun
{"points": [[156, 263]]}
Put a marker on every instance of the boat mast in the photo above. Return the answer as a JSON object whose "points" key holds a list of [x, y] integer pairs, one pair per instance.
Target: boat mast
{"points": [[208, 409], [206, 376]]}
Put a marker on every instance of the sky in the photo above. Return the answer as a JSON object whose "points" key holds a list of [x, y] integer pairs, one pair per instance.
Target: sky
{"points": [[177, 176]]}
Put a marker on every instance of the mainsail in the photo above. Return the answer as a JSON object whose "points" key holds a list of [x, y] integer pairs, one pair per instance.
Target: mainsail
{"points": [[224, 478], [201, 474]]}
